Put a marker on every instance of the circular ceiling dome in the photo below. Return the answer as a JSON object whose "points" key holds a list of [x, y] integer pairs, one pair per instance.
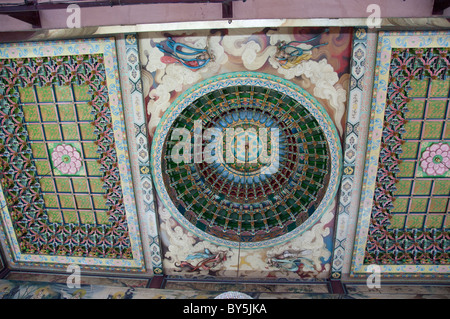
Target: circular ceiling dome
{"points": [[246, 159]]}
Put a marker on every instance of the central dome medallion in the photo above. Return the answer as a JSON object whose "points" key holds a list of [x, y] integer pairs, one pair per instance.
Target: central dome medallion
{"points": [[246, 159]]}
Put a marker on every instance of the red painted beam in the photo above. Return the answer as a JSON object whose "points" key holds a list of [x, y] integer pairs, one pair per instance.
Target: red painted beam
{"points": [[337, 287], [157, 282]]}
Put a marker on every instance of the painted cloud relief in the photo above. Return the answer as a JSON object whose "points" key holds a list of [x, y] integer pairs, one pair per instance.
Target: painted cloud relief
{"points": [[316, 59], [324, 74]]}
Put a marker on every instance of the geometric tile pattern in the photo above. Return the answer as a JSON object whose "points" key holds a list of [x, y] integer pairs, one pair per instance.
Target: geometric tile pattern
{"points": [[66, 187], [422, 199], [271, 205], [57, 145], [403, 219], [61, 115], [408, 215]]}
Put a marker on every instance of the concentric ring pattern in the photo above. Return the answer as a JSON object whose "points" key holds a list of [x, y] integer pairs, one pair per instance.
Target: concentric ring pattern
{"points": [[254, 160]]}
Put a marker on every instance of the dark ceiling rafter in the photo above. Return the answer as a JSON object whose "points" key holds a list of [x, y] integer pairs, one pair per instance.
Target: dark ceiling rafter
{"points": [[439, 6], [29, 10], [28, 14]]}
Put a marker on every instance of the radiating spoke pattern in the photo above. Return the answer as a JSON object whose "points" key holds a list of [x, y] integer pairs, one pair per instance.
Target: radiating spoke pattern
{"points": [[259, 175]]}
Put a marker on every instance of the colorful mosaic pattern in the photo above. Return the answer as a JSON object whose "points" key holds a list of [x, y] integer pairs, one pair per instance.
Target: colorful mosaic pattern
{"points": [[408, 226], [252, 205], [422, 194], [360, 86], [250, 208], [67, 200], [66, 153], [61, 174], [410, 200], [136, 100]]}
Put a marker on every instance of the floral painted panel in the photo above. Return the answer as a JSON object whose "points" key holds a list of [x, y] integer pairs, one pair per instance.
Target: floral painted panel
{"points": [[314, 59], [67, 195], [407, 182]]}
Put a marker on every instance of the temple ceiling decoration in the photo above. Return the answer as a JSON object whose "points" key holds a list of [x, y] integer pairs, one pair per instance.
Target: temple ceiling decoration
{"points": [[286, 154], [403, 220], [267, 163], [67, 196]]}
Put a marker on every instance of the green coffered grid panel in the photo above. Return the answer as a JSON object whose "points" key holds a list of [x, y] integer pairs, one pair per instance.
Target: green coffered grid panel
{"points": [[422, 195], [63, 141]]}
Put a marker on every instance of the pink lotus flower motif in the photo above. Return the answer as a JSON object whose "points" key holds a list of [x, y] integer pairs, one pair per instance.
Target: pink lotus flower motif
{"points": [[13, 52], [435, 159], [66, 158]]}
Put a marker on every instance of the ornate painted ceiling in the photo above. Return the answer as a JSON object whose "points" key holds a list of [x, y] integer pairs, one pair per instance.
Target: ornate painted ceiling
{"points": [[270, 154]]}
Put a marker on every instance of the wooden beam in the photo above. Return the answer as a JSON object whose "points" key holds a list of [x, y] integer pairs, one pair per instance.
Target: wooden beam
{"points": [[31, 17]]}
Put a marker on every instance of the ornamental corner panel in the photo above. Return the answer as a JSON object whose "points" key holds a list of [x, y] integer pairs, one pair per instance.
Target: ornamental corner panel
{"points": [[403, 223], [66, 191]]}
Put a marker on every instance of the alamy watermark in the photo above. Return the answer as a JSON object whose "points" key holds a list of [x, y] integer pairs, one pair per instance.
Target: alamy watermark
{"points": [[74, 18], [374, 279], [231, 146], [74, 279], [374, 19]]}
